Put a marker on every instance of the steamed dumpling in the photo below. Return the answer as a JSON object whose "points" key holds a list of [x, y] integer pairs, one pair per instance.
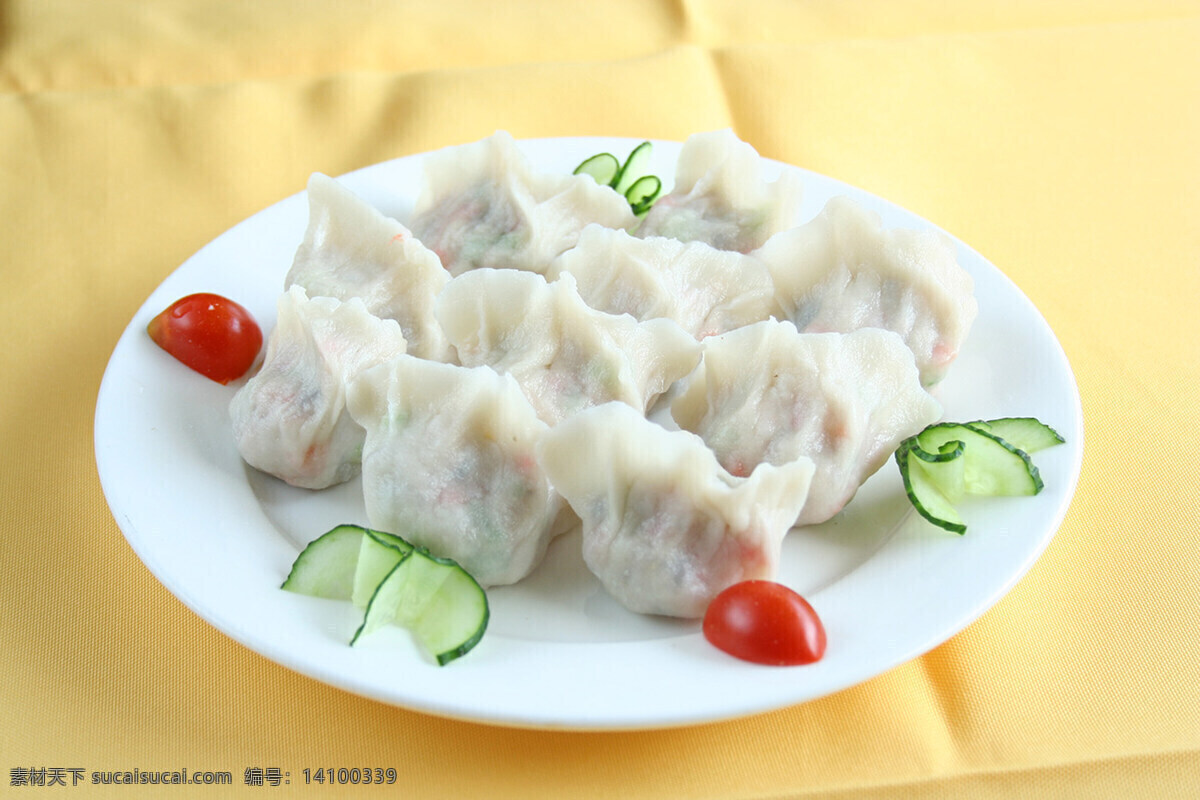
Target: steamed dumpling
{"points": [[665, 528], [705, 290], [768, 394], [565, 355], [720, 197], [483, 205], [290, 419], [352, 250], [843, 271], [449, 464]]}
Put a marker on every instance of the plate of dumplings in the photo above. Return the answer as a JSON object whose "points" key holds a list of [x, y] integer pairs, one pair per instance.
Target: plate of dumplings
{"points": [[605, 417]]}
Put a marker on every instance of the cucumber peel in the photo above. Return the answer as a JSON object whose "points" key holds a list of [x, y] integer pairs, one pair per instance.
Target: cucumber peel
{"points": [[395, 582], [949, 461]]}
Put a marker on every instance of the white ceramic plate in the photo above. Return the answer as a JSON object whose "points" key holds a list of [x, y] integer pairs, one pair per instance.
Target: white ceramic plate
{"points": [[559, 653]]}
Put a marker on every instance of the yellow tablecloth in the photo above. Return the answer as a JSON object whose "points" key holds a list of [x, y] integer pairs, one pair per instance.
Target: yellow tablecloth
{"points": [[1060, 140]]}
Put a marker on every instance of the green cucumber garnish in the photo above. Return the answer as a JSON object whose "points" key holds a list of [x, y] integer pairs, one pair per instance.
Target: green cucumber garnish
{"points": [[325, 568], [435, 598], [396, 583], [1025, 433], [628, 179], [603, 167], [929, 501], [948, 461], [633, 169], [642, 194], [991, 466], [379, 553]]}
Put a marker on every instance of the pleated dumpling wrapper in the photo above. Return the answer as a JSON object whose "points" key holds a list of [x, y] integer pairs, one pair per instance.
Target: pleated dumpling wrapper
{"points": [[565, 355], [721, 198], [844, 271], [704, 290], [483, 205], [449, 464], [350, 249], [290, 419], [665, 527], [768, 394]]}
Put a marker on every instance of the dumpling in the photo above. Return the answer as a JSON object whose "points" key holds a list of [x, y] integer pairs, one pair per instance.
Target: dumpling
{"points": [[665, 528], [843, 271], [720, 198], [768, 394], [565, 355], [705, 290], [290, 419], [483, 205], [449, 464], [352, 250]]}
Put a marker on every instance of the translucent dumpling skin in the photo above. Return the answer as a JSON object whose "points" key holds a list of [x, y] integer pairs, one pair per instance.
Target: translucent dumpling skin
{"points": [[290, 419], [483, 205], [844, 271], [769, 394], [720, 197], [665, 528], [449, 464], [565, 355], [351, 250], [704, 290]]}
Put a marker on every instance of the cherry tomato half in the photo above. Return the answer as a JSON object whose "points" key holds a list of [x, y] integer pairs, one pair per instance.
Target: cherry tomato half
{"points": [[211, 334], [765, 622]]}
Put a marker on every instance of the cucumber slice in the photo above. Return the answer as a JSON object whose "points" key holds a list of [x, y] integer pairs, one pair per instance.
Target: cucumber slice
{"points": [[945, 469], [948, 460], [642, 194], [628, 179], [991, 466], [923, 493], [326, 567], [444, 607], [633, 168], [1023, 433], [379, 553], [603, 167]]}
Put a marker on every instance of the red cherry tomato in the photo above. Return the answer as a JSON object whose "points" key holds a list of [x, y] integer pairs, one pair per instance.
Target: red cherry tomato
{"points": [[766, 623], [211, 334]]}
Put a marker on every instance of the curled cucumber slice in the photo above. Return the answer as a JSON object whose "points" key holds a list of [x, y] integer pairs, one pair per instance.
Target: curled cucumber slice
{"points": [[945, 469], [633, 169], [642, 194], [929, 501], [629, 179], [396, 583], [1025, 433], [991, 466], [326, 567], [948, 461], [603, 167], [379, 553], [435, 598]]}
